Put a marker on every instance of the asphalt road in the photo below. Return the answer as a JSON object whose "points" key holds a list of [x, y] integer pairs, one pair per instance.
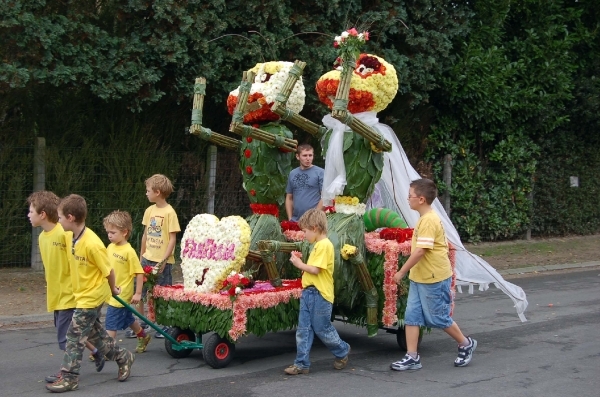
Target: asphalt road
{"points": [[555, 353]]}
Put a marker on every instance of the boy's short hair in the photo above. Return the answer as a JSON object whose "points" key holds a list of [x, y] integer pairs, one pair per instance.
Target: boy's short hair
{"points": [[121, 220], [45, 201], [303, 147], [426, 188], [314, 219], [74, 205], [161, 183]]}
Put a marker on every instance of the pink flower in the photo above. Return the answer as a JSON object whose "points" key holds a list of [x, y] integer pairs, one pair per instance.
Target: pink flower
{"points": [[366, 35], [335, 44], [353, 32]]}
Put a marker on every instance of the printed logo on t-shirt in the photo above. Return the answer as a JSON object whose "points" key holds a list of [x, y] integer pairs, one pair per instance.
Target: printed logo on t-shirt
{"points": [[301, 181], [155, 227]]}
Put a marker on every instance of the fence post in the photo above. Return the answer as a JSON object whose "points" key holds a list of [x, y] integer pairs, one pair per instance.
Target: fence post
{"points": [[447, 175], [39, 183], [211, 165]]}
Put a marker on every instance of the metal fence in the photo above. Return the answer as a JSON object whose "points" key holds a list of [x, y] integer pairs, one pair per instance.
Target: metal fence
{"points": [[110, 180]]}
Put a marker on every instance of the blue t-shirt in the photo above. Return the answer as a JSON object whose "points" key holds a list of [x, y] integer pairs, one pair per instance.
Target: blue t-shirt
{"points": [[305, 186]]}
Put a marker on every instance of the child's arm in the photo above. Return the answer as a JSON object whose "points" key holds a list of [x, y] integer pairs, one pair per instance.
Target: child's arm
{"points": [[414, 258], [143, 244], [169, 251], [111, 282], [139, 285], [296, 261]]}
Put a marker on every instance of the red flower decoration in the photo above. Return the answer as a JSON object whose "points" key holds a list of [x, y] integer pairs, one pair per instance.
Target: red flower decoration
{"points": [[253, 192], [271, 209], [353, 32], [335, 44], [249, 139], [290, 225], [396, 233], [249, 170], [247, 153]]}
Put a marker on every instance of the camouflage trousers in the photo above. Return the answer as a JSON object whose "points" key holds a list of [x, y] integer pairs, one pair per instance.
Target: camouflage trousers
{"points": [[86, 327]]}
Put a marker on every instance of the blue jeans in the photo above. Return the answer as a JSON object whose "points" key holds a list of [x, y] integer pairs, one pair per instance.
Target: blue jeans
{"points": [[315, 318], [429, 304]]}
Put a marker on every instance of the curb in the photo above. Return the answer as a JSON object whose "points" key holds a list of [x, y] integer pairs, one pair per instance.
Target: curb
{"points": [[35, 318]]}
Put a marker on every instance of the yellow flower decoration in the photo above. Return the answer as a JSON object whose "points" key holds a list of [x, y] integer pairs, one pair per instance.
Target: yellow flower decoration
{"points": [[347, 251]]}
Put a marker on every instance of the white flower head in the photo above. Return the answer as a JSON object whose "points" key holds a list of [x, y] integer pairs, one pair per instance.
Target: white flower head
{"points": [[345, 34]]}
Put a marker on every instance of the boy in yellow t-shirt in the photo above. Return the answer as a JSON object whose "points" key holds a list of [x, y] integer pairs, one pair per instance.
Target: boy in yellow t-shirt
{"points": [[126, 265], [90, 271], [54, 243], [429, 295], [160, 232], [316, 302]]}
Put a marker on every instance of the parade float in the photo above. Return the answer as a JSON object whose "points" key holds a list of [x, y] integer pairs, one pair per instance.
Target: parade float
{"points": [[237, 276]]}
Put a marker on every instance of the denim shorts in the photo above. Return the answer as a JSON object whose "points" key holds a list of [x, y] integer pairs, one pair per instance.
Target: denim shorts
{"points": [[429, 304], [62, 321], [164, 278], [118, 318]]}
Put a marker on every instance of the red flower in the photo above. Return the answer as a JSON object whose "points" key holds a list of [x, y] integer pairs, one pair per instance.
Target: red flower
{"points": [[248, 139], [249, 170], [253, 192], [231, 291], [148, 269], [335, 44], [247, 153]]}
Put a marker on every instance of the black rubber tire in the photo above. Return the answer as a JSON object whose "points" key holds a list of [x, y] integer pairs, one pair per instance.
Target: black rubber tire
{"points": [[179, 334], [218, 352], [401, 339]]}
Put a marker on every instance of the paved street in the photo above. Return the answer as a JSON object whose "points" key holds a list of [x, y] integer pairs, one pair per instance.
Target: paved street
{"points": [[555, 353]]}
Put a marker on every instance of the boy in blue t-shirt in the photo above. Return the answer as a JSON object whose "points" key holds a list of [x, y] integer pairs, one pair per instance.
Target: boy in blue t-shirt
{"points": [[303, 190]]}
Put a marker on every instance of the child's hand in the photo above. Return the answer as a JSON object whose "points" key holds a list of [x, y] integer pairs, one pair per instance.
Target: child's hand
{"points": [[295, 258], [136, 298], [398, 277], [116, 291], [160, 266]]}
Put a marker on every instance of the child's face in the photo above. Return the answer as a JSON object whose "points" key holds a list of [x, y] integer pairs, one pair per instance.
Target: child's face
{"points": [[414, 200], [115, 235], [66, 222], [35, 218], [153, 195], [310, 235]]}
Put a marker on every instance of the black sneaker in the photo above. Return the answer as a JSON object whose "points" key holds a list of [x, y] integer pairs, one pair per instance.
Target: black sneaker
{"points": [[98, 361], [53, 378], [407, 363], [159, 335], [130, 334], [465, 354]]}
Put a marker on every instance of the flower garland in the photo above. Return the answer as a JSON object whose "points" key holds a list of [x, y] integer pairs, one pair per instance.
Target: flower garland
{"points": [[391, 250], [262, 295], [349, 205], [265, 209], [236, 282], [211, 249]]}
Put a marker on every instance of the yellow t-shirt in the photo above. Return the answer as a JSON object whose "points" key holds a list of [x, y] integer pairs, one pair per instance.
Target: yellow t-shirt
{"points": [[434, 266], [159, 222], [55, 246], [126, 264], [89, 269], [321, 256]]}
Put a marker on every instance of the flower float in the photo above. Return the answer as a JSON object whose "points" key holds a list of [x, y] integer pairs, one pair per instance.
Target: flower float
{"points": [[211, 249]]}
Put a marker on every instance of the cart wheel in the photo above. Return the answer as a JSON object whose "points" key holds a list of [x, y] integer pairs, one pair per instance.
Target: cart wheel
{"points": [[401, 339], [179, 335], [218, 352]]}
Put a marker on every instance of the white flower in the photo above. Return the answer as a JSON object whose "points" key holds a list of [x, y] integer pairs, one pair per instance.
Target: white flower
{"points": [[338, 39], [155, 270], [345, 34], [361, 37], [238, 290]]}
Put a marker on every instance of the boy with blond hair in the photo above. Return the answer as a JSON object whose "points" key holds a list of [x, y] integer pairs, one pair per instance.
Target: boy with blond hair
{"points": [[160, 232], [429, 294], [316, 302], [126, 265], [90, 271], [54, 243]]}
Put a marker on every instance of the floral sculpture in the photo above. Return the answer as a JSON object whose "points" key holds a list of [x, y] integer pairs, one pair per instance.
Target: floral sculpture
{"points": [[211, 249]]}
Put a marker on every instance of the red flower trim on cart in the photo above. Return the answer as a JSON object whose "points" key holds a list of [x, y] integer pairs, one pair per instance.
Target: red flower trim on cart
{"points": [[396, 233], [290, 225], [262, 209]]}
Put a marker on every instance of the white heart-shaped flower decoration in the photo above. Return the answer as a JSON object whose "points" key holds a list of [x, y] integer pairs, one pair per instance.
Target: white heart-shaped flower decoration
{"points": [[211, 249]]}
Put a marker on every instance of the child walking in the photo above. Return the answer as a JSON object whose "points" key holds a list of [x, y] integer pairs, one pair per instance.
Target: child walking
{"points": [[160, 232], [317, 296], [53, 243], [126, 265], [89, 272], [429, 295]]}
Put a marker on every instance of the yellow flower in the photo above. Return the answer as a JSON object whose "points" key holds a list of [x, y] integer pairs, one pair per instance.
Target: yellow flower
{"points": [[355, 201], [348, 251]]}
